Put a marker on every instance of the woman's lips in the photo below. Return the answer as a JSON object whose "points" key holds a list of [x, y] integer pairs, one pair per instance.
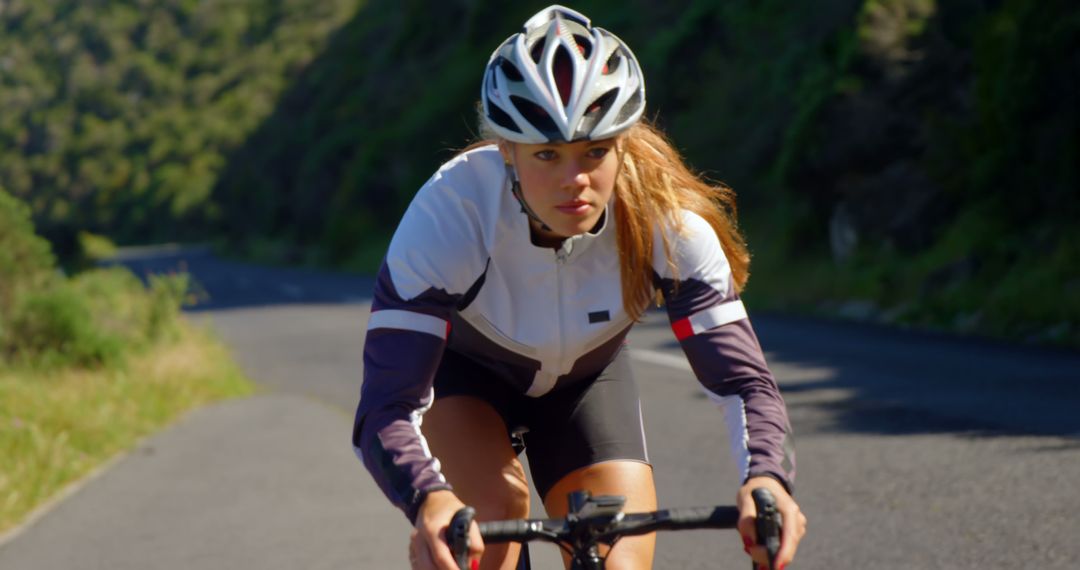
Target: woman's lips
{"points": [[574, 207]]}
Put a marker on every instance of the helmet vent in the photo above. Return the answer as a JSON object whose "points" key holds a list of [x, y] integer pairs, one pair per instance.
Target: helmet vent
{"points": [[537, 117], [596, 111], [564, 74], [538, 50], [632, 106], [509, 69], [613, 62], [584, 45], [501, 118]]}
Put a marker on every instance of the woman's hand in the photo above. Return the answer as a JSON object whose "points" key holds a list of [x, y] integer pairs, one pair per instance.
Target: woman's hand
{"points": [[428, 549], [793, 518]]}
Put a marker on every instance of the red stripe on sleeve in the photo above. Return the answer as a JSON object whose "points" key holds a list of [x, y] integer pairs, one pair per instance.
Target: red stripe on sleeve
{"points": [[682, 328]]}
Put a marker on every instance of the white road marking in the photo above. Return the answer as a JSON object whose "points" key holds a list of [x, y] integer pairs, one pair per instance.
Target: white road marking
{"points": [[678, 362]]}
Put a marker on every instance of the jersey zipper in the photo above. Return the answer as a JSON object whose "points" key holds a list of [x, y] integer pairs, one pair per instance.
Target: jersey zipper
{"points": [[560, 260]]}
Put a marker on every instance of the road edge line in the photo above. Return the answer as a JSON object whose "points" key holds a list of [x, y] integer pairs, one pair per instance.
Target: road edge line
{"points": [[62, 495], [661, 359], [71, 489]]}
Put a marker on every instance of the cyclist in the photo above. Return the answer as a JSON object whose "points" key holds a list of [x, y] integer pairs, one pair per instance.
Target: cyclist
{"points": [[508, 290]]}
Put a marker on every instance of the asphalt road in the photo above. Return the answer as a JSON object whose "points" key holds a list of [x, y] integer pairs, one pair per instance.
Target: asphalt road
{"points": [[914, 451]]}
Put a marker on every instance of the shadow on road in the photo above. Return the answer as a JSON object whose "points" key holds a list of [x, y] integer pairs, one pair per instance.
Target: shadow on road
{"points": [[873, 379], [862, 378]]}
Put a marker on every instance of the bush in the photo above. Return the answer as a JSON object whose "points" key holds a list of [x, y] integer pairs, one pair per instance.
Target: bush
{"points": [[55, 327], [92, 319], [122, 307], [26, 260], [167, 294]]}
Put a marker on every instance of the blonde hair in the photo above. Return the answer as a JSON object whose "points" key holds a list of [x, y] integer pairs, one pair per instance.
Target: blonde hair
{"points": [[654, 183]]}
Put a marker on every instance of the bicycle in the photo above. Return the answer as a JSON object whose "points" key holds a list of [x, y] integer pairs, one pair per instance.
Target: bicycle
{"points": [[600, 520]]}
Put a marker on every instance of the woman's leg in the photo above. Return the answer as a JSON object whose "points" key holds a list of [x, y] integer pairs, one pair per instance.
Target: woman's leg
{"points": [[471, 442], [632, 479]]}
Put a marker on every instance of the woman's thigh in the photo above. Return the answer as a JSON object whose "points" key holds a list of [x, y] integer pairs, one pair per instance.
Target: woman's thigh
{"points": [[590, 423], [472, 445], [631, 479]]}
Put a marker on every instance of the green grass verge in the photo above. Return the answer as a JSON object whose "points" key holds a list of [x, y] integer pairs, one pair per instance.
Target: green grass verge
{"points": [[57, 425]]}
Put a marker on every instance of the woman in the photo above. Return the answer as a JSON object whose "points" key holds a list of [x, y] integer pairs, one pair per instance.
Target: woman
{"points": [[508, 290]]}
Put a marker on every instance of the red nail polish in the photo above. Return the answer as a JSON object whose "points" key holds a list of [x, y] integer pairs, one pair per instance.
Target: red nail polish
{"points": [[747, 542], [474, 565], [781, 567]]}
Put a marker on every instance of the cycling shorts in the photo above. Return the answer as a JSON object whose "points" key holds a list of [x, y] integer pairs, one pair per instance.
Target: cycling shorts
{"points": [[589, 421]]}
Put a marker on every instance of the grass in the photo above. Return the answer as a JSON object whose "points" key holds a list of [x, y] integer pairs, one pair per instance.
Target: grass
{"points": [[56, 426]]}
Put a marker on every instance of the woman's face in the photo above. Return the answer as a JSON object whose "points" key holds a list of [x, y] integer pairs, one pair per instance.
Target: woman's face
{"points": [[567, 185]]}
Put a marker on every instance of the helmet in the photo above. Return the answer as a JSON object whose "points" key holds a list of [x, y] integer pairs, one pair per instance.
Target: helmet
{"points": [[562, 80]]}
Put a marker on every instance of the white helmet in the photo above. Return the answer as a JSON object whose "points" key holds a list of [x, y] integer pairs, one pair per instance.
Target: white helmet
{"points": [[562, 80]]}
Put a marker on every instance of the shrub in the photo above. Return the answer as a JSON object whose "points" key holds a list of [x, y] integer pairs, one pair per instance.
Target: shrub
{"points": [[55, 327], [92, 319], [26, 260]]}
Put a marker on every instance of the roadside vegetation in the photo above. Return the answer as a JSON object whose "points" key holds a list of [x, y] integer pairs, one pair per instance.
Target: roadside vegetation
{"points": [[930, 177], [908, 162], [89, 364], [119, 115], [911, 162]]}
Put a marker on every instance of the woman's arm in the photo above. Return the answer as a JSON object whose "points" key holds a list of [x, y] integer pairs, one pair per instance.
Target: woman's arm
{"points": [[404, 344], [711, 324], [434, 258]]}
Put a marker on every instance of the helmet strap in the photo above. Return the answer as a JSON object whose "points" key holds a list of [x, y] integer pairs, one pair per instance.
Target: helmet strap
{"points": [[515, 189]]}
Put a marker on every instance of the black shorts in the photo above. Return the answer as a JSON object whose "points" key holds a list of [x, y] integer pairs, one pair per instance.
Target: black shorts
{"points": [[595, 419]]}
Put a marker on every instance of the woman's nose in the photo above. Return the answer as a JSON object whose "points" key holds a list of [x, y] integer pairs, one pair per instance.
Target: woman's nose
{"points": [[575, 178]]}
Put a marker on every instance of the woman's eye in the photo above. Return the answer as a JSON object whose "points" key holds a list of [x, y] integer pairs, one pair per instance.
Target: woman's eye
{"points": [[545, 155], [598, 152]]}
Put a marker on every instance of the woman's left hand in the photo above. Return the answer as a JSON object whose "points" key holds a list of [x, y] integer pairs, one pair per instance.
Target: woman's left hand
{"points": [[793, 519]]}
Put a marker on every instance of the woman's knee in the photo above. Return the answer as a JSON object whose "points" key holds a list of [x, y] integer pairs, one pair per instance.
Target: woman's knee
{"points": [[507, 497], [631, 479]]}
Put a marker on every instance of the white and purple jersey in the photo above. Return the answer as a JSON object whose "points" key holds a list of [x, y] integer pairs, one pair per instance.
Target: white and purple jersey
{"points": [[462, 272]]}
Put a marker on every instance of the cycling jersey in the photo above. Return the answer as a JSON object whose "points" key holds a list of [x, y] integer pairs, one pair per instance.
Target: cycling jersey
{"points": [[462, 271]]}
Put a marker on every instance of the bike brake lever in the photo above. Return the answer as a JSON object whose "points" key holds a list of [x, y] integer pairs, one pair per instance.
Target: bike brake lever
{"points": [[768, 523], [458, 536]]}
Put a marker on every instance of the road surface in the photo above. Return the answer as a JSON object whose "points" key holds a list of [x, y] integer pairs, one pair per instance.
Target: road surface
{"points": [[914, 450]]}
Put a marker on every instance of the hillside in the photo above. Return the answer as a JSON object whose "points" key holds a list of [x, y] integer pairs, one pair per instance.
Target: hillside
{"points": [[118, 115], [902, 161]]}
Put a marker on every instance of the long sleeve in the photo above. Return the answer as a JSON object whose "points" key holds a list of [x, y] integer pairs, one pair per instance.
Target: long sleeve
{"points": [[403, 348], [712, 326], [433, 259]]}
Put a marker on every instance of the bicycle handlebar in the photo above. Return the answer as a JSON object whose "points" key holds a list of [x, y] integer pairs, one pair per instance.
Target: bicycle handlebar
{"points": [[582, 532], [626, 524], [768, 523], [458, 535]]}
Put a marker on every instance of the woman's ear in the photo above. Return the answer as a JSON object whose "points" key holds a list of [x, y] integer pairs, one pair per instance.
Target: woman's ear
{"points": [[506, 151]]}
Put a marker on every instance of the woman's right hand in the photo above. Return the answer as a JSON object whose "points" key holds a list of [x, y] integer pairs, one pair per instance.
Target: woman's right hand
{"points": [[428, 549]]}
